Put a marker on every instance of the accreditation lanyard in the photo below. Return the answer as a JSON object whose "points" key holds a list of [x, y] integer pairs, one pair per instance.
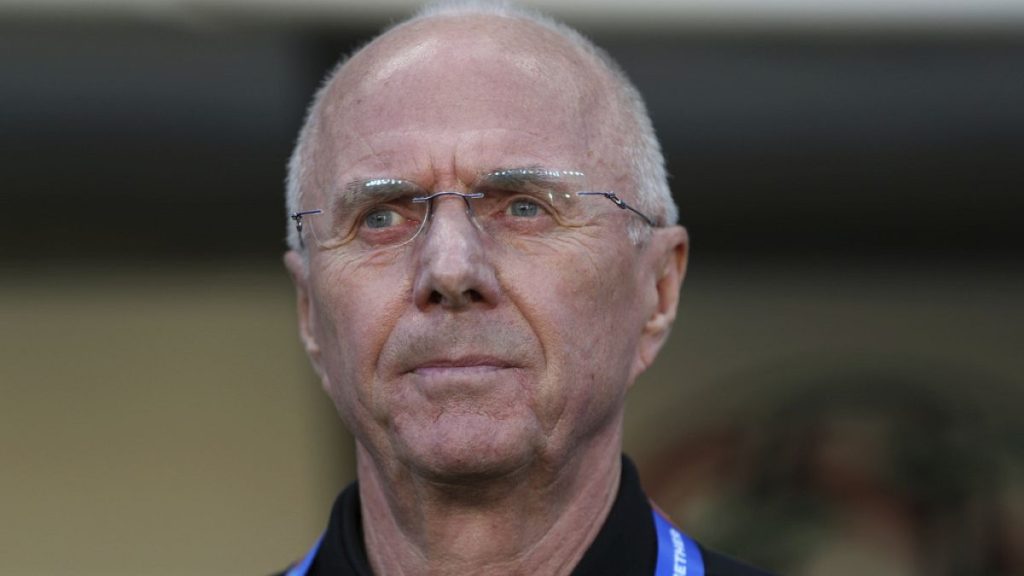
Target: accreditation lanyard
{"points": [[678, 554], [302, 568]]}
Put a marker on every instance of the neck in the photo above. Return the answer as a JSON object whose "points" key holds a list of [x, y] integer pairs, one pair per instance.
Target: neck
{"points": [[540, 520]]}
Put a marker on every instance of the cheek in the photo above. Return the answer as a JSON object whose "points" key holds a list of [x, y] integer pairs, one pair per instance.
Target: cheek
{"points": [[584, 318], [355, 308]]}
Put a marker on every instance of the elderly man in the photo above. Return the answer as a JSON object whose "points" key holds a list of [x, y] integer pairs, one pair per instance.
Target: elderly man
{"points": [[486, 258]]}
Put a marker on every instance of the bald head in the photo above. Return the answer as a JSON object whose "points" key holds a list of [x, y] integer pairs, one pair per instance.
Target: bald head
{"points": [[443, 64], [460, 88]]}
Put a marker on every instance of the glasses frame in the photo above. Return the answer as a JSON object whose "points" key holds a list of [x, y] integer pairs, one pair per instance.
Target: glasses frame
{"points": [[298, 217]]}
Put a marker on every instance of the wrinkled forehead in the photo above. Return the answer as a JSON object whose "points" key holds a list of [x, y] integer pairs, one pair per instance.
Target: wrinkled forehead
{"points": [[510, 83]]}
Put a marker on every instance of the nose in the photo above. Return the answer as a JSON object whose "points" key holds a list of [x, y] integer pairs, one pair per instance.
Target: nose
{"points": [[452, 268]]}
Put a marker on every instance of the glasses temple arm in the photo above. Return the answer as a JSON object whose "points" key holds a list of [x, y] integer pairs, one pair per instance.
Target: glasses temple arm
{"points": [[621, 204], [297, 217]]}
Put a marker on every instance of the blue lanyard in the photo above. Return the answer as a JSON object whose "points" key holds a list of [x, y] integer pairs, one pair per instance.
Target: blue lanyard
{"points": [[302, 568], [678, 555]]}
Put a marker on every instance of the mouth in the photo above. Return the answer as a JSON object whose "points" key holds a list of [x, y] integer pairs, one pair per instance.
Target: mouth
{"points": [[464, 366], [464, 379]]}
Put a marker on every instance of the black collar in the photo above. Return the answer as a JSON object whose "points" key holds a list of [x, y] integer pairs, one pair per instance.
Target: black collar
{"points": [[625, 545]]}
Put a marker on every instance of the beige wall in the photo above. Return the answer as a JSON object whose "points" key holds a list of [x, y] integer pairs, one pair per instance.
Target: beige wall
{"points": [[159, 423]]}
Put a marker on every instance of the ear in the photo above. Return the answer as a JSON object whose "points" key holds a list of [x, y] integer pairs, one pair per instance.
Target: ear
{"points": [[668, 254], [299, 272]]}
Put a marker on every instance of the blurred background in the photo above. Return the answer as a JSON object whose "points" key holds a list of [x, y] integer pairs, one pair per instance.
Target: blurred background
{"points": [[842, 391]]}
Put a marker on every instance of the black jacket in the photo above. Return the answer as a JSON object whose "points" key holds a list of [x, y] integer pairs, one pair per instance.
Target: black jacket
{"points": [[626, 545]]}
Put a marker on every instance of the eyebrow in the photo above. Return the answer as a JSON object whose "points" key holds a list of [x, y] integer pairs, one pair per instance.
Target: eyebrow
{"points": [[380, 186], [516, 178], [526, 177], [369, 190]]}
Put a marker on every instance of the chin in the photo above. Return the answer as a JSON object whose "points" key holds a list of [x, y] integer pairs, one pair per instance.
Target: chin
{"points": [[466, 448]]}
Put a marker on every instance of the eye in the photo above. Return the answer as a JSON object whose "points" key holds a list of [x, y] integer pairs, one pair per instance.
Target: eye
{"points": [[523, 208], [383, 218]]}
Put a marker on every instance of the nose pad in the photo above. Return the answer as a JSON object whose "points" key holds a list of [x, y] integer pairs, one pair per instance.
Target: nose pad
{"points": [[429, 200], [435, 203], [452, 269]]}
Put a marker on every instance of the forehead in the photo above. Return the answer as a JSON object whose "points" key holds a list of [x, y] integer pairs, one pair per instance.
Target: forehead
{"points": [[461, 94]]}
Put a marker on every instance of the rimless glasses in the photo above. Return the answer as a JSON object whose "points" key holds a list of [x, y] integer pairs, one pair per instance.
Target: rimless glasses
{"points": [[510, 204]]}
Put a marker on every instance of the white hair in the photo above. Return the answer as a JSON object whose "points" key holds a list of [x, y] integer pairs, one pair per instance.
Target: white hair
{"points": [[645, 159]]}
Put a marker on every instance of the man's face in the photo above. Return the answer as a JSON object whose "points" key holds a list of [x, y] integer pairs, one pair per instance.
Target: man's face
{"points": [[454, 355]]}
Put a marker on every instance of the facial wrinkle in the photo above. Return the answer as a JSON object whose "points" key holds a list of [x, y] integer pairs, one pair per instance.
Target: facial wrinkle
{"points": [[365, 141]]}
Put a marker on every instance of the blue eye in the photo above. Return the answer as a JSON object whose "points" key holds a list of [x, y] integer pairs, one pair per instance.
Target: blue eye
{"points": [[523, 209], [381, 219]]}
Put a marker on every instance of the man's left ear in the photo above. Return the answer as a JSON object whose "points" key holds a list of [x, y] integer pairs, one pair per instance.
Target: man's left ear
{"points": [[668, 251]]}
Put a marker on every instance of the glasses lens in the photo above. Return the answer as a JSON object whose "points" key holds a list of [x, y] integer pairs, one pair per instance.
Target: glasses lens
{"points": [[530, 202], [370, 214]]}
